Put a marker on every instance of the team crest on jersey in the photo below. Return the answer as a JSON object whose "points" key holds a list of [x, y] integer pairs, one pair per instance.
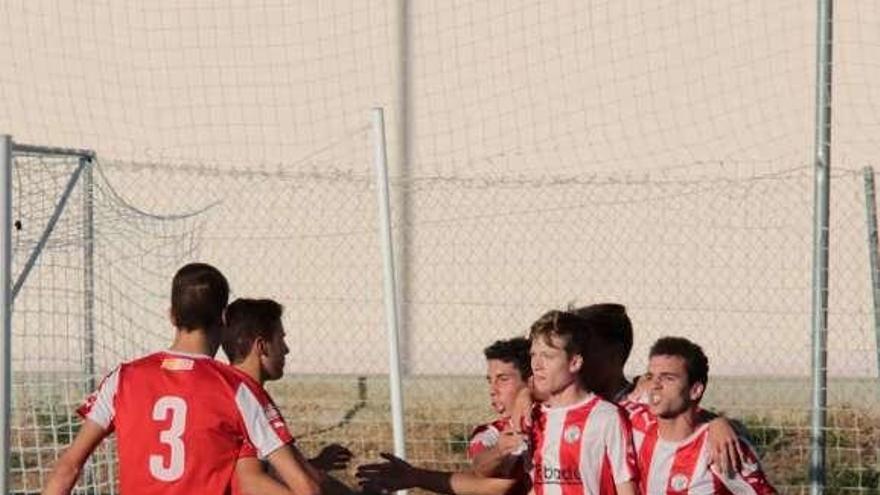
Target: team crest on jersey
{"points": [[572, 434], [679, 482], [178, 364]]}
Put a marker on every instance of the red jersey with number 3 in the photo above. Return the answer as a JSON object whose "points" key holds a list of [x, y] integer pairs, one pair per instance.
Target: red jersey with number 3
{"points": [[181, 421]]}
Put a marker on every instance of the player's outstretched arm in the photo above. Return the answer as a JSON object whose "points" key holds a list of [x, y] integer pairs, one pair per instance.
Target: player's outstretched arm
{"points": [[397, 474], [468, 483], [295, 471], [67, 468], [331, 458]]}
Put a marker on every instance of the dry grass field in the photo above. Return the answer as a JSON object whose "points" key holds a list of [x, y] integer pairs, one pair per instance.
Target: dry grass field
{"points": [[440, 412]]}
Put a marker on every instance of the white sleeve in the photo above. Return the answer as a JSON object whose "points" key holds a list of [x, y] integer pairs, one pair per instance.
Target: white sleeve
{"points": [[265, 427], [99, 405]]}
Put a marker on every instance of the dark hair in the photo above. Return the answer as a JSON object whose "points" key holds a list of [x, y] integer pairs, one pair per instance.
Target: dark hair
{"points": [[199, 292], [695, 360], [610, 324], [514, 351], [247, 319]]}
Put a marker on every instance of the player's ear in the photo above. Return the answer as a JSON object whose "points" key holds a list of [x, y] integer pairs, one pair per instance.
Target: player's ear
{"points": [[262, 346], [697, 390], [575, 363]]}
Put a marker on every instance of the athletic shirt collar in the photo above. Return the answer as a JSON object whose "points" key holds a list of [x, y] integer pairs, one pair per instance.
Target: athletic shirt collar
{"points": [[684, 441], [186, 354], [581, 403]]}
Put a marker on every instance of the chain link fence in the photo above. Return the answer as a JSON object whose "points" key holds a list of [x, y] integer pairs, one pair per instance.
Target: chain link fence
{"points": [[543, 154], [720, 255]]}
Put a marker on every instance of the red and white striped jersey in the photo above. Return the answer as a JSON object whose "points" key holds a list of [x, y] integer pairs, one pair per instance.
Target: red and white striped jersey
{"points": [[181, 421], [486, 436], [582, 449], [684, 467]]}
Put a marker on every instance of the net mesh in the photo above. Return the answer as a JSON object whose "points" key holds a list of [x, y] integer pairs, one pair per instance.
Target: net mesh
{"points": [[542, 154]]}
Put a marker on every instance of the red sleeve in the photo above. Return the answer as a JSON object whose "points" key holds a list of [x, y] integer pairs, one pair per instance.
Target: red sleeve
{"points": [[247, 450]]}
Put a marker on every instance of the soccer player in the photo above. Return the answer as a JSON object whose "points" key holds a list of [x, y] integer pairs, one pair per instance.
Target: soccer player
{"points": [[508, 372], [612, 340], [181, 417], [611, 327], [673, 450], [253, 341], [581, 444]]}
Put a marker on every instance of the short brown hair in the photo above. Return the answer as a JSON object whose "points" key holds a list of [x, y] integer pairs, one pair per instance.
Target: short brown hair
{"points": [[199, 293], [565, 325], [247, 319]]}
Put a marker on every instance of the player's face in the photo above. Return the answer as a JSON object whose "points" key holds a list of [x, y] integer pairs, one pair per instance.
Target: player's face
{"points": [[272, 359], [669, 391], [505, 382], [553, 370]]}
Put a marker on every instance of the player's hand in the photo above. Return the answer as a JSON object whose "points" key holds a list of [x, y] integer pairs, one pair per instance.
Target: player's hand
{"points": [[641, 390], [727, 456], [512, 443], [332, 458], [395, 474]]}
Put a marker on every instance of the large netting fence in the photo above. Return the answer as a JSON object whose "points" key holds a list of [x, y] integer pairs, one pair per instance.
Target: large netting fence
{"points": [[542, 154]]}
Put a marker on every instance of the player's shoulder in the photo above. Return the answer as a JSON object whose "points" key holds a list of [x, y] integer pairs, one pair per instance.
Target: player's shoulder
{"points": [[168, 361], [496, 427], [603, 407], [204, 366]]}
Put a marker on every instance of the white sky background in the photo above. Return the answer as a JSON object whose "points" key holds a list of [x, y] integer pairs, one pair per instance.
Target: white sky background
{"points": [[496, 91]]}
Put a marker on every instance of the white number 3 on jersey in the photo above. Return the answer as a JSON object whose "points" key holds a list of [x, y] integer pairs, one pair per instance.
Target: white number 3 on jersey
{"points": [[170, 469]]}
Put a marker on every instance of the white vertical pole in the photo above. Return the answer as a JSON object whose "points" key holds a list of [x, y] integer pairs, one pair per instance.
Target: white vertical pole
{"points": [[88, 271], [390, 282], [873, 255], [824, 25], [5, 305]]}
